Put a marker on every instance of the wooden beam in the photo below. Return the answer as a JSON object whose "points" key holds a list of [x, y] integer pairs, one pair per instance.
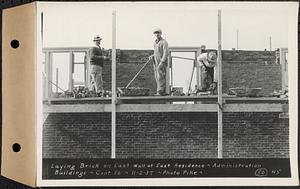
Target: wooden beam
{"points": [[197, 71], [113, 88], [183, 49], [81, 108], [66, 49], [220, 100], [284, 72], [71, 57], [47, 75], [168, 75], [163, 99], [56, 80]]}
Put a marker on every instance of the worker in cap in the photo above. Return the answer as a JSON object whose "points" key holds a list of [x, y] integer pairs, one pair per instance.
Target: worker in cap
{"points": [[96, 66], [207, 63], [160, 58]]}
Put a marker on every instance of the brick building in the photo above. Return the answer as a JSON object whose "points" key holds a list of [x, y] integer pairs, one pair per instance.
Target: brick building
{"points": [[179, 134]]}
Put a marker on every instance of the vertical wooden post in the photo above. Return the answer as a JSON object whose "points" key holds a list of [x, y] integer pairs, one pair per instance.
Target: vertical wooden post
{"points": [[168, 76], [284, 71], [171, 69], [270, 43], [56, 81], [237, 40], [71, 70], [220, 100], [197, 70], [87, 64], [47, 73], [114, 95]]}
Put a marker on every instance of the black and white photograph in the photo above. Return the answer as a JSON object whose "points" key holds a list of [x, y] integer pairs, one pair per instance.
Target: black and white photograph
{"points": [[167, 93]]}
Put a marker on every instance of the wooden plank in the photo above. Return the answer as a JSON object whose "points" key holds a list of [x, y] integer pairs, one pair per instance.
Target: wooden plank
{"points": [[66, 49], [71, 58], [80, 108], [254, 107], [168, 76], [163, 99], [47, 76], [220, 100], [183, 49], [113, 88]]}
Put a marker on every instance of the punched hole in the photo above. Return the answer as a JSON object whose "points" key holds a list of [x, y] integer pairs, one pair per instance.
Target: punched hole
{"points": [[16, 147], [14, 44]]}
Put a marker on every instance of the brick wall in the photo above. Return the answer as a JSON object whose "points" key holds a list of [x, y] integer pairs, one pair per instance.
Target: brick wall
{"points": [[259, 57], [238, 74], [240, 69], [126, 71], [166, 135], [77, 135]]}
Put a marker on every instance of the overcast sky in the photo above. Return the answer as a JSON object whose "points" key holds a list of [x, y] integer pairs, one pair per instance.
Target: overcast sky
{"points": [[183, 24]]}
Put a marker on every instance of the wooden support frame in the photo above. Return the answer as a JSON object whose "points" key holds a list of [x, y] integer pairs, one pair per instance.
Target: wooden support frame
{"points": [[113, 88], [195, 66], [220, 99], [71, 70], [284, 69], [77, 108], [168, 85], [49, 69]]}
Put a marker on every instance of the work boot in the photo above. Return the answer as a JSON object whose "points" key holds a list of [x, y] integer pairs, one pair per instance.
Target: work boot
{"points": [[162, 93]]}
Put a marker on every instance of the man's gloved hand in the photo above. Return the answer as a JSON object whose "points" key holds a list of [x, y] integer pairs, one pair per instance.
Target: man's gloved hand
{"points": [[161, 65], [150, 57], [106, 58]]}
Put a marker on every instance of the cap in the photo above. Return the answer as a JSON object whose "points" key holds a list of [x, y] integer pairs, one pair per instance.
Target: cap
{"points": [[212, 56], [158, 30], [97, 38]]}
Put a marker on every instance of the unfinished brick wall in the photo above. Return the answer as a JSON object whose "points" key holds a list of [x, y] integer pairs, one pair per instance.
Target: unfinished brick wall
{"points": [[254, 75], [244, 56], [165, 135], [240, 69]]}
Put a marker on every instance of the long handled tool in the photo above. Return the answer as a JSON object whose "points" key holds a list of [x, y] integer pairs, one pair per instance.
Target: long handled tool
{"points": [[138, 73], [190, 85], [54, 84]]}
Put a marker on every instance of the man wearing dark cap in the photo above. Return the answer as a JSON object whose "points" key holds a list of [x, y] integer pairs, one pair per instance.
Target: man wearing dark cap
{"points": [[207, 62], [96, 66], [160, 57]]}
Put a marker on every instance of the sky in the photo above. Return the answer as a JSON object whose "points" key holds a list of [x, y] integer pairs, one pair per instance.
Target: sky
{"points": [[183, 24]]}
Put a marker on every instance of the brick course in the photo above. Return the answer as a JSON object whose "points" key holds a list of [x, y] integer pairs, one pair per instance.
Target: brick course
{"points": [[166, 135], [240, 69]]}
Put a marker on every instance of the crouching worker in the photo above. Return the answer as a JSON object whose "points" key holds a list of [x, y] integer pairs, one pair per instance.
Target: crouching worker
{"points": [[208, 74], [96, 66]]}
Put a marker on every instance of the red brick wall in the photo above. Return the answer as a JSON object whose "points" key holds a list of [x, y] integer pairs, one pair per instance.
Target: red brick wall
{"points": [[240, 69], [165, 135]]}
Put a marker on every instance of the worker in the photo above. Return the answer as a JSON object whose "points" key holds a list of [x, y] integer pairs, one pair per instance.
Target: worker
{"points": [[160, 57], [207, 63], [96, 66]]}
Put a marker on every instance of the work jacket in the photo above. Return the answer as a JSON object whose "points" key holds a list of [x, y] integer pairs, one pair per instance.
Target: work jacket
{"points": [[161, 51], [96, 56]]}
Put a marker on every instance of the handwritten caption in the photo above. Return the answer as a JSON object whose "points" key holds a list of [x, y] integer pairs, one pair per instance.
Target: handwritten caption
{"points": [[109, 168]]}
